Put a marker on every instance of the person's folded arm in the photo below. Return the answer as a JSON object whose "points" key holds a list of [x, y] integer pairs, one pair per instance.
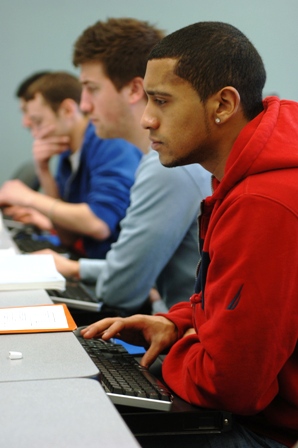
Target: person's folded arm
{"points": [[77, 218]]}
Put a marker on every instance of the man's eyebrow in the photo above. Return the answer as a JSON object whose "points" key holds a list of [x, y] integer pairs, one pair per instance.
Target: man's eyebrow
{"points": [[157, 92], [87, 81]]}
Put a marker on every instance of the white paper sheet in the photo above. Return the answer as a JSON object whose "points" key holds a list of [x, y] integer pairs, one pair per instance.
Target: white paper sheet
{"points": [[33, 318]]}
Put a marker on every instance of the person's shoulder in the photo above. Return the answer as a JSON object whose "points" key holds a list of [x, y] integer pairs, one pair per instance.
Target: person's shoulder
{"points": [[197, 171], [110, 147], [199, 178], [91, 136], [90, 133], [119, 146], [184, 177]]}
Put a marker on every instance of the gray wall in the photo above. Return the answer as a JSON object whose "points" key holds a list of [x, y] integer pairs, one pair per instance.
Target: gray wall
{"points": [[39, 34]]}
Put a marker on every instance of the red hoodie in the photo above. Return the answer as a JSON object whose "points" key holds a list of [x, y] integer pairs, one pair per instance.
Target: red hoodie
{"points": [[244, 355]]}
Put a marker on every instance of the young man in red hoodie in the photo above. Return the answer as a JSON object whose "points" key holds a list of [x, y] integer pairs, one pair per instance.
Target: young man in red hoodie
{"points": [[233, 346]]}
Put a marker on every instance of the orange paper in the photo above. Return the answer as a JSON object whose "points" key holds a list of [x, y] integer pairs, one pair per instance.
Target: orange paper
{"points": [[36, 319]]}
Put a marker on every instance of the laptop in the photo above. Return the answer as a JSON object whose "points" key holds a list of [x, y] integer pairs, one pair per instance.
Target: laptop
{"points": [[29, 238], [77, 295], [82, 302]]}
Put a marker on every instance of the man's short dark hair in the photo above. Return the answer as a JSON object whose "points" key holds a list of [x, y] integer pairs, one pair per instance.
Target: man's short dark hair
{"points": [[122, 45], [213, 55], [23, 86]]}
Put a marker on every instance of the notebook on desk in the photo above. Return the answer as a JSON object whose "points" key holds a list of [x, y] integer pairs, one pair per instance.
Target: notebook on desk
{"points": [[27, 271], [144, 412]]}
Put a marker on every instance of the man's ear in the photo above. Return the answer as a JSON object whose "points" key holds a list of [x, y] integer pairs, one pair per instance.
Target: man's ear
{"points": [[226, 104], [68, 107], [135, 90]]}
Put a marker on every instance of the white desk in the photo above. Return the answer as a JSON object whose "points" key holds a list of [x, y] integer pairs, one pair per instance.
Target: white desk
{"points": [[24, 298], [6, 241], [46, 398], [72, 413], [45, 356]]}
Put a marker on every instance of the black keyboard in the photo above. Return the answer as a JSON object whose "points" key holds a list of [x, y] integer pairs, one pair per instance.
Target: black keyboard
{"points": [[75, 290], [125, 381], [29, 239], [28, 245]]}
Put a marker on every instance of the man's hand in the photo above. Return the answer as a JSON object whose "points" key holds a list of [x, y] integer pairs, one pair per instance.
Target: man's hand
{"points": [[66, 267], [189, 332], [46, 145], [155, 332], [28, 215], [15, 192]]}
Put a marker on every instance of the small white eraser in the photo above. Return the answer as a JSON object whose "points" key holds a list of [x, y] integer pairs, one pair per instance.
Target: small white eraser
{"points": [[15, 355]]}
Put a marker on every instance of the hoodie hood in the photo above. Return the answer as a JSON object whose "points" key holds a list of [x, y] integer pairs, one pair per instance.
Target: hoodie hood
{"points": [[261, 145]]}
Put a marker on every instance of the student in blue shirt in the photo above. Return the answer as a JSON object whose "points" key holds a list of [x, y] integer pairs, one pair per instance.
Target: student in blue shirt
{"points": [[90, 194]]}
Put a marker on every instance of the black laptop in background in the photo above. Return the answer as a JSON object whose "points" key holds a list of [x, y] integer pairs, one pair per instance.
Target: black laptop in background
{"points": [[82, 302], [77, 295], [30, 239]]}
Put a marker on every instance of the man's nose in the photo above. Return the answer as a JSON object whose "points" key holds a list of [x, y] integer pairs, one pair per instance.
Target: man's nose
{"points": [[148, 121], [85, 103], [26, 122]]}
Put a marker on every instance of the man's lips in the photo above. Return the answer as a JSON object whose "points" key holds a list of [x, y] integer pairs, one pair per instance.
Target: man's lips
{"points": [[155, 143]]}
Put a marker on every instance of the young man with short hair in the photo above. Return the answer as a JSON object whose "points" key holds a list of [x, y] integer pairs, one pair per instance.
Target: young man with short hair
{"points": [[233, 346], [21, 92], [157, 246], [89, 195]]}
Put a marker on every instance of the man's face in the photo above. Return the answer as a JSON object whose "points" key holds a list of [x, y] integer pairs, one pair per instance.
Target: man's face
{"points": [[40, 115], [177, 120], [107, 107], [23, 108]]}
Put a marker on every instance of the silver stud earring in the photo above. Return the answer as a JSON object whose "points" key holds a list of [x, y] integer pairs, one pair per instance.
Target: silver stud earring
{"points": [[217, 120]]}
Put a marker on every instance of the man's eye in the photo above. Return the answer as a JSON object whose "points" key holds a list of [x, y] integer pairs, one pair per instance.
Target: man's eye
{"points": [[92, 89], [159, 102]]}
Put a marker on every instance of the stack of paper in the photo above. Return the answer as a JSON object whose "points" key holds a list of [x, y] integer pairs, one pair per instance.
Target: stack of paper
{"points": [[40, 318], [28, 271]]}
